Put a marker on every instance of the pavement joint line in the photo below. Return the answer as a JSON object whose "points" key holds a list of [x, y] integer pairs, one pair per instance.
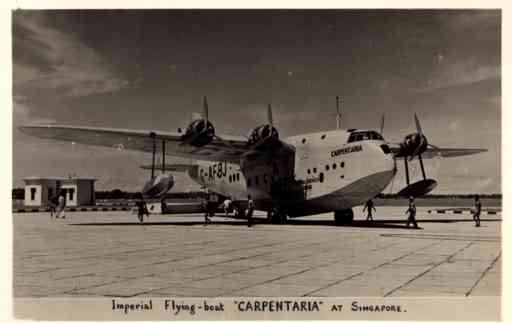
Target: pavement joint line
{"points": [[295, 273], [110, 283], [428, 270], [263, 266], [173, 260], [129, 251], [248, 257], [371, 269], [188, 257], [442, 237], [483, 274]]}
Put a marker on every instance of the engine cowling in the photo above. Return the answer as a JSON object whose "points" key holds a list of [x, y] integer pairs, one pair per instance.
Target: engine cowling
{"points": [[158, 186], [413, 145], [199, 133], [263, 136]]}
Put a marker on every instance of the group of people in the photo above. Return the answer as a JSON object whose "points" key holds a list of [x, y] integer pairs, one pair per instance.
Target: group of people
{"points": [[212, 204], [58, 204], [411, 210]]}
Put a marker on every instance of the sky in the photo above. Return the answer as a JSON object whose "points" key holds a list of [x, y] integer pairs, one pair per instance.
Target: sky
{"points": [[150, 70]]}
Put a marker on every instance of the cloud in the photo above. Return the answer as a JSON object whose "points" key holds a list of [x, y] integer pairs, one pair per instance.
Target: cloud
{"points": [[453, 126], [462, 74], [22, 113], [51, 62]]}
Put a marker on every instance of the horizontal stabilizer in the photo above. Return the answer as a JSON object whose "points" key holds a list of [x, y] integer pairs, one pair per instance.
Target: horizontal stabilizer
{"points": [[172, 167]]}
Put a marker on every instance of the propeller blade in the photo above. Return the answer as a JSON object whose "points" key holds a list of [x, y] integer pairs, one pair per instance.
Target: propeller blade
{"points": [[382, 125], [338, 113], [269, 116], [418, 126], [205, 109]]}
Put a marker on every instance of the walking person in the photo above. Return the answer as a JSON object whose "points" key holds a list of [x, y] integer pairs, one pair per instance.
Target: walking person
{"points": [[412, 213], [60, 207], [250, 210], [477, 211], [54, 202], [142, 208], [369, 206], [208, 206], [227, 206]]}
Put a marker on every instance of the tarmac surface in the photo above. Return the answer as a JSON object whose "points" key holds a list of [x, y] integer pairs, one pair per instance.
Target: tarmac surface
{"points": [[96, 254]]}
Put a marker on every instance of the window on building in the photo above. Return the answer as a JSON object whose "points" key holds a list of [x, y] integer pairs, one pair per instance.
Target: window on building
{"points": [[314, 169], [230, 179], [71, 192], [50, 193], [326, 167], [32, 193], [237, 176], [256, 180], [334, 166], [309, 171], [321, 177], [265, 178], [248, 182], [342, 164]]}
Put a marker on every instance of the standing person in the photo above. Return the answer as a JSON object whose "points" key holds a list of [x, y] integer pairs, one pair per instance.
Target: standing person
{"points": [[412, 213], [214, 204], [227, 206], [369, 206], [207, 209], [142, 208], [60, 207], [54, 202], [250, 210], [477, 211]]}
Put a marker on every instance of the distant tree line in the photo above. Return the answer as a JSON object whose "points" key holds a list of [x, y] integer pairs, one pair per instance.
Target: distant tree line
{"points": [[444, 196], [19, 194], [119, 194]]}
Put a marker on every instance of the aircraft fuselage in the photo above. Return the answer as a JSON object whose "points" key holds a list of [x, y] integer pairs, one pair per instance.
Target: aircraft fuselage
{"points": [[327, 172]]}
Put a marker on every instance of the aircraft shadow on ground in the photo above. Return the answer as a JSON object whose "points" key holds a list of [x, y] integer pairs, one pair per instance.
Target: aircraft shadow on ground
{"points": [[385, 224]]}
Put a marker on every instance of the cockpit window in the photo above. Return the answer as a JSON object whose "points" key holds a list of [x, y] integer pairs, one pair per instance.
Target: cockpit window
{"points": [[364, 135]]}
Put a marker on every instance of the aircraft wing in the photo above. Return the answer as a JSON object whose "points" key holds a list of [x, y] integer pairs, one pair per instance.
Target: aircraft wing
{"points": [[434, 151], [229, 148], [180, 168]]}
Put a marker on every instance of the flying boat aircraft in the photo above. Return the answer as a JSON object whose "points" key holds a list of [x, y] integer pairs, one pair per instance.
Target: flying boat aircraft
{"points": [[311, 173]]}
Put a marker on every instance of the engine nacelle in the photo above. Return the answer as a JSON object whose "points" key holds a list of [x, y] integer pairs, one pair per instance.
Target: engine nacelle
{"points": [[263, 135], [158, 186], [413, 144], [199, 133]]}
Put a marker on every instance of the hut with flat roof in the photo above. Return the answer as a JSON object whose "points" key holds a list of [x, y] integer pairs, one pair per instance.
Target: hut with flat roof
{"points": [[77, 191]]}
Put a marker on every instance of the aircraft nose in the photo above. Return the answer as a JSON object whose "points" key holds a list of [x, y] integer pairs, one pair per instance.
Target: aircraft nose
{"points": [[384, 164], [387, 159]]}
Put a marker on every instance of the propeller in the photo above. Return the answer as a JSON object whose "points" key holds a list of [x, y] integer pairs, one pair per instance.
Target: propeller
{"points": [[421, 136], [418, 125], [338, 114], [269, 116], [382, 125], [205, 111]]}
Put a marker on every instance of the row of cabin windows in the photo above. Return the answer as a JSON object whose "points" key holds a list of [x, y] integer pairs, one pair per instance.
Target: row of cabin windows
{"points": [[327, 167], [256, 178], [321, 137], [234, 178]]}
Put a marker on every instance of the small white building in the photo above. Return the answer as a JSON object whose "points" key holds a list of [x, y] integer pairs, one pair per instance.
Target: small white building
{"points": [[77, 191]]}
